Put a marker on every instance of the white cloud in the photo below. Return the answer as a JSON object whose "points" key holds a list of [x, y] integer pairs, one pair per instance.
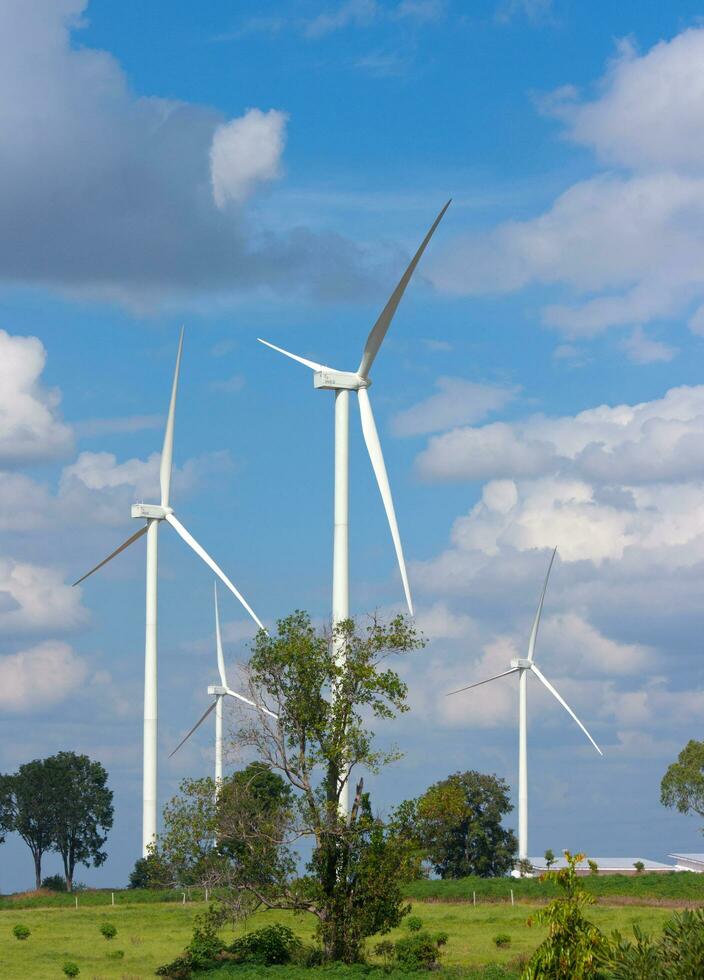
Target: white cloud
{"points": [[644, 350], [35, 598], [627, 245], [580, 648], [359, 13], [118, 425], [30, 428], [40, 676], [458, 402], [246, 152]]}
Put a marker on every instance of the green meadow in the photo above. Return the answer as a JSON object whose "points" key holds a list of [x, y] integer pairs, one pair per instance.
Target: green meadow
{"points": [[152, 933]]}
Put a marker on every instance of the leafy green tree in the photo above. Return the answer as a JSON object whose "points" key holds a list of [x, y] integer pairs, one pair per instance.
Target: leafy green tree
{"points": [[6, 808], [31, 809], [83, 810], [573, 945], [457, 823], [353, 880], [549, 858], [148, 872], [682, 785]]}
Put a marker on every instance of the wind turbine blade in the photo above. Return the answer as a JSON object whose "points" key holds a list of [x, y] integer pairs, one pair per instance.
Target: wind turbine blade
{"points": [[565, 705], [202, 553], [479, 683], [378, 331], [536, 621], [252, 704], [301, 360], [371, 438], [218, 639], [125, 544], [197, 725], [167, 452]]}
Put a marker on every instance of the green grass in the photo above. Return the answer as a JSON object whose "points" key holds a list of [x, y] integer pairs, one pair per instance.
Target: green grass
{"points": [[151, 934], [103, 897], [671, 886]]}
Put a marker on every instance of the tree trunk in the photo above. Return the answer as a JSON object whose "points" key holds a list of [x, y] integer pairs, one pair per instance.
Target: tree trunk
{"points": [[37, 855], [68, 871]]}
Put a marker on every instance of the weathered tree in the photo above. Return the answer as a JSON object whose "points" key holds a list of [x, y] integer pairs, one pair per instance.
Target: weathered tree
{"points": [[6, 808], [457, 823], [83, 810], [352, 883], [682, 785], [30, 809]]}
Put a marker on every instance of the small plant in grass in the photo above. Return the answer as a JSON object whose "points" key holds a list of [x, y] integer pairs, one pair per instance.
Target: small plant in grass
{"points": [[502, 940], [414, 923], [271, 946], [71, 969], [593, 867], [21, 932], [639, 866], [116, 954], [108, 930], [419, 951], [385, 950], [55, 883]]}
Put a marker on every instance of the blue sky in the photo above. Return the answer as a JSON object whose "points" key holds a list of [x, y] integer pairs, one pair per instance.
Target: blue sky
{"points": [[266, 170]]}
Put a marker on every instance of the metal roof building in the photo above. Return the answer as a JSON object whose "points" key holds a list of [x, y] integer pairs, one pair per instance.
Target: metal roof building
{"points": [[688, 862], [608, 865]]}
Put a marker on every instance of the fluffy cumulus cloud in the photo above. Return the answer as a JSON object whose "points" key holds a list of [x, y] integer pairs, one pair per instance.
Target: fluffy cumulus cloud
{"points": [[36, 598], [627, 243], [30, 427], [458, 402], [40, 676], [620, 491], [110, 194]]}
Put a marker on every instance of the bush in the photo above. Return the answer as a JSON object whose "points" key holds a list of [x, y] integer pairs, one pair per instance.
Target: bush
{"points": [[202, 951], [501, 940], [55, 883], [108, 930], [419, 951], [116, 954], [21, 932], [414, 923], [679, 955], [271, 946], [71, 969], [638, 865]]}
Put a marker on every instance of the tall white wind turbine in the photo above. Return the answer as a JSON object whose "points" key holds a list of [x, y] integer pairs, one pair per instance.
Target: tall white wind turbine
{"points": [[219, 692], [153, 515], [342, 383], [523, 667]]}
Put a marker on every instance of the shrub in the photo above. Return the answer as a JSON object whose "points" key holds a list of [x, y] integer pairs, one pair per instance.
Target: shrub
{"points": [[55, 883], [116, 954], [202, 951], [108, 930], [414, 923], [21, 932], [678, 955], [271, 946], [71, 969], [501, 940], [638, 865], [419, 951], [593, 867]]}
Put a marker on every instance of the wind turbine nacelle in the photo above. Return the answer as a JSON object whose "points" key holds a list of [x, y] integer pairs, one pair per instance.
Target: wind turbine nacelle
{"points": [[150, 512], [522, 662], [217, 689], [334, 380]]}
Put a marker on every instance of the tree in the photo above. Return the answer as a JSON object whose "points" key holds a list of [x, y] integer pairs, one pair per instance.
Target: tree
{"points": [[353, 878], [549, 858], [457, 823], [682, 785], [31, 809], [6, 808], [83, 810], [147, 873]]}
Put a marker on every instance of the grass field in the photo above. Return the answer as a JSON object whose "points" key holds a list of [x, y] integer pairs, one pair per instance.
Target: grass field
{"points": [[151, 933]]}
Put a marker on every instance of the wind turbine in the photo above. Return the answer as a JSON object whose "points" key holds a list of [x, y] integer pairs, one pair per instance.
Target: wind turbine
{"points": [[342, 383], [523, 667], [219, 692], [154, 514]]}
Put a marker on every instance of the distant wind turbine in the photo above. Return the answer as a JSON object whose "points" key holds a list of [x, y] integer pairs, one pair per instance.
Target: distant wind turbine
{"points": [[153, 514], [219, 692], [523, 667], [342, 382]]}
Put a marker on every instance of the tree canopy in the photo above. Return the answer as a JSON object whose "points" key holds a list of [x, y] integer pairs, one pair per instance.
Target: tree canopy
{"points": [[682, 785], [457, 825]]}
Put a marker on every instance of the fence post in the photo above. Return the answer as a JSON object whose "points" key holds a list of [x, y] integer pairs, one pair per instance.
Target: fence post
{"points": [[76, 901], [184, 898], [474, 898], [512, 896], [206, 893], [113, 897]]}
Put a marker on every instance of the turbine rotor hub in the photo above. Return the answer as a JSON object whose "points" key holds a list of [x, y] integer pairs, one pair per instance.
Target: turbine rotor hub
{"points": [[217, 689], [522, 663], [151, 512]]}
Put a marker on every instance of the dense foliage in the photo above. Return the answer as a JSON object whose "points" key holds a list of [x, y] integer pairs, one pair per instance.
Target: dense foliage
{"points": [[457, 826], [61, 803], [324, 690], [682, 785]]}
